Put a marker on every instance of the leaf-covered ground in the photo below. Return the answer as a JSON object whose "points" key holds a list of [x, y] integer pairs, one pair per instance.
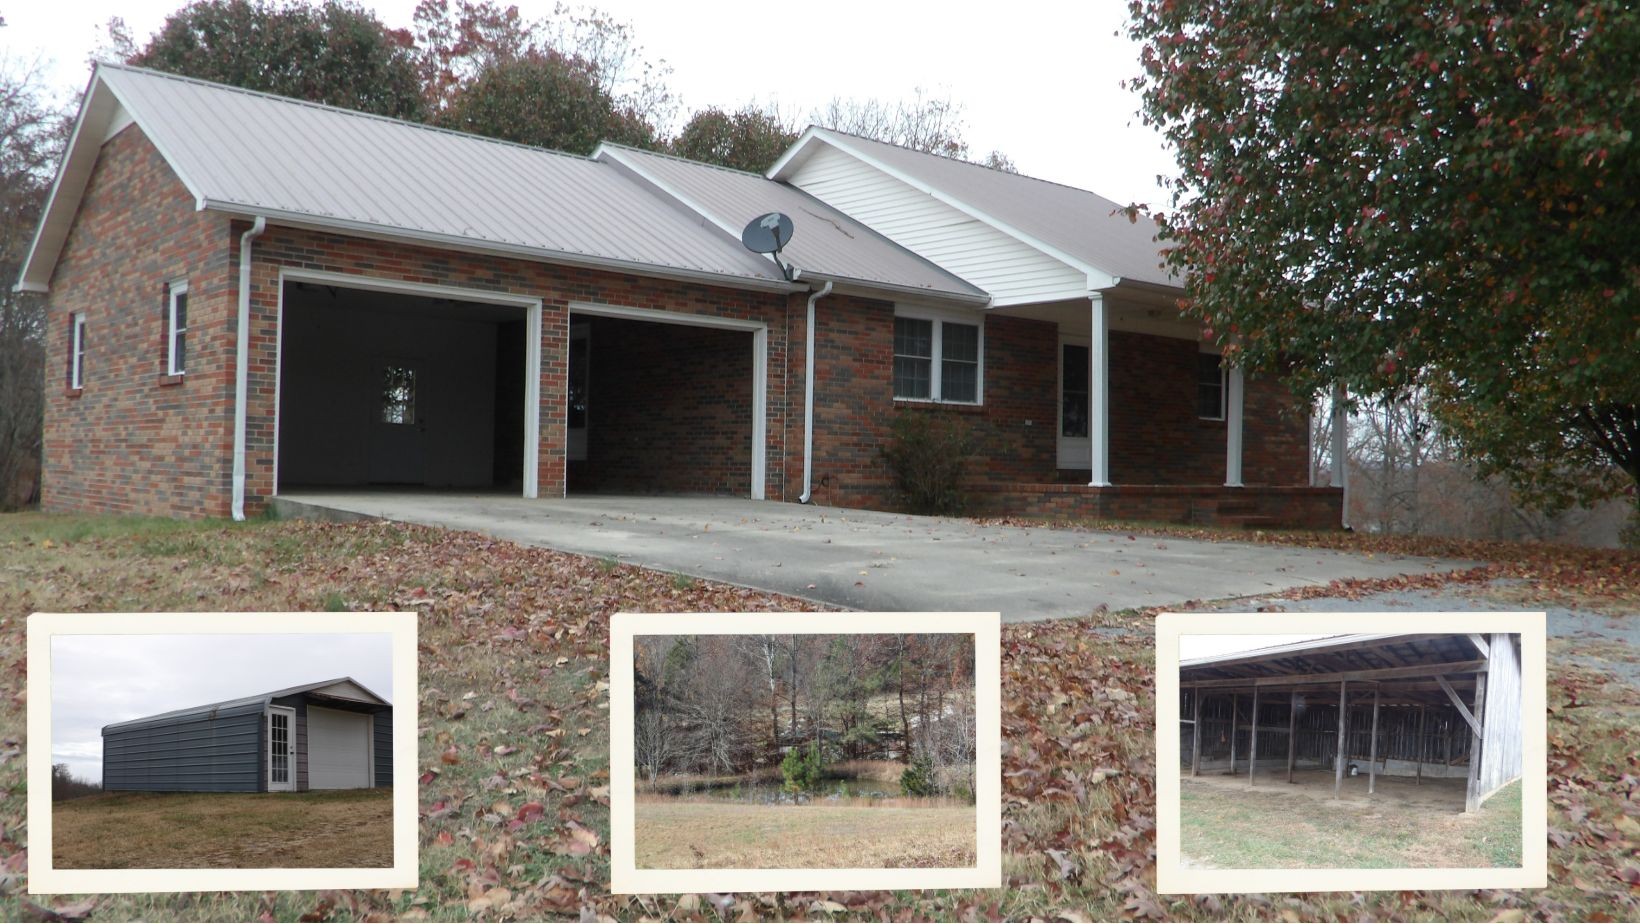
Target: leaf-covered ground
{"points": [[514, 663]]}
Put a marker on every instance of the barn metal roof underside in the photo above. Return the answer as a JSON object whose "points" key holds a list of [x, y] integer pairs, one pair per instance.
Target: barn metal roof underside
{"points": [[244, 704], [1416, 659]]}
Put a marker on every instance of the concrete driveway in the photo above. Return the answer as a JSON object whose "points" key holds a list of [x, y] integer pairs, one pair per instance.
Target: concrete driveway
{"points": [[882, 561]]}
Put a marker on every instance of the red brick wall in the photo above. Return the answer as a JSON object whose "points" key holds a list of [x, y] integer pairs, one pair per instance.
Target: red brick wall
{"points": [[1275, 440], [133, 441], [669, 410]]}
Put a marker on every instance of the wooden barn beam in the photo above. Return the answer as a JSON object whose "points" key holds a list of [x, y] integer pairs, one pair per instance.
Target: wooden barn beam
{"points": [[1196, 733], [1292, 733], [1462, 709], [1374, 673], [1479, 642]]}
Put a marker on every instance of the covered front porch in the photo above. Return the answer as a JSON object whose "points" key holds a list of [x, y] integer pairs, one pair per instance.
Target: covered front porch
{"points": [[1151, 424]]}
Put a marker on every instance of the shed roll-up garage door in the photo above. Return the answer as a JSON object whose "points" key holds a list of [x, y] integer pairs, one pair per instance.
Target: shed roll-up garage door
{"points": [[338, 749]]}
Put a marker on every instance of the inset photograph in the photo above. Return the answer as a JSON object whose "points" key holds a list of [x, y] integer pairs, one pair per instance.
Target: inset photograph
{"points": [[212, 751], [817, 751], [1354, 751]]}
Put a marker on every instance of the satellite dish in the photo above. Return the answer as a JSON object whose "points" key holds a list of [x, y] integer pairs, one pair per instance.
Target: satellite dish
{"points": [[768, 234]]}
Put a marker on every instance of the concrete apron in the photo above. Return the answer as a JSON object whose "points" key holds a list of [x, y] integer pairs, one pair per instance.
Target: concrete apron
{"points": [[869, 560]]}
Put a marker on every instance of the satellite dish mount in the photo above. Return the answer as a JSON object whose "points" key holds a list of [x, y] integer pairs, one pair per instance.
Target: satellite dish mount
{"points": [[769, 234]]}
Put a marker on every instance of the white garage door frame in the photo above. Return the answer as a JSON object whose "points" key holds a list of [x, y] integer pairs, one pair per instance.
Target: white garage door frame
{"points": [[760, 369], [532, 348], [369, 742]]}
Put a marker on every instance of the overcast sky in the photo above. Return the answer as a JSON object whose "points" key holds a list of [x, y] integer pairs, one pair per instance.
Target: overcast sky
{"points": [[1039, 81], [1203, 646], [97, 680]]}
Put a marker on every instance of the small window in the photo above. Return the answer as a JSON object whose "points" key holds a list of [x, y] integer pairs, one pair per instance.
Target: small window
{"points": [[1209, 386], [937, 360], [1073, 391], [76, 352], [176, 330], [398, 395]]}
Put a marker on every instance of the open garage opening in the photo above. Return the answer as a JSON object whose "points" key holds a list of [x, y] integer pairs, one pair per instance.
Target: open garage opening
{"points": [[401, 389], [662, 404]]}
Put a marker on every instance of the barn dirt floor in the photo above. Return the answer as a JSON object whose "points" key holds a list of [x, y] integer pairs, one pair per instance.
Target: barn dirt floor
{"points": [[344, 829], [1226, 824]]}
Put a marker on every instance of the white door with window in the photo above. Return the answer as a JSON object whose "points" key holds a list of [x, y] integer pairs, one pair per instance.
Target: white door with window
{"points": [[398, 424], [281, 738], [1075, 448], [338, 749]]}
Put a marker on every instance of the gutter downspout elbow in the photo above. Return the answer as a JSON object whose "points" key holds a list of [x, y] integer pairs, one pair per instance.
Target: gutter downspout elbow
{"points": [[808, 394], [242, 350]]}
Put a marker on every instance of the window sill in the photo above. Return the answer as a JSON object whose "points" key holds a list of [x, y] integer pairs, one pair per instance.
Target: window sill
{"points": [[73, 392], [169, 380], [970, 407]]}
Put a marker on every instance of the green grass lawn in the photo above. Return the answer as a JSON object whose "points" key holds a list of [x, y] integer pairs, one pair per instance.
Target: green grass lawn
{"points": [[1270, 828], [513, 745]]}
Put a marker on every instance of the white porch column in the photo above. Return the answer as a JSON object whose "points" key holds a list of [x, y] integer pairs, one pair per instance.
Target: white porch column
{"points": [[1232, 428], [1099, 392], [1340, 449]]}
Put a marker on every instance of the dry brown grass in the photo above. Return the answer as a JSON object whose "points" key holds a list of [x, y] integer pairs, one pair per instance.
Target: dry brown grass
{"points": [[692, 835], [225, 830]]}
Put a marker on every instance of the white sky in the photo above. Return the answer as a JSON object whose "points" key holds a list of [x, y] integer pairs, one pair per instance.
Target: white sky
{"points": [[1039, 81], [97, 680], [1203, 646]]}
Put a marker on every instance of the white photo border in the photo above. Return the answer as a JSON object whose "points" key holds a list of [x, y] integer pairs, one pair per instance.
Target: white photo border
{"points": [[45, 879], [1173, 879], [627, 879]]}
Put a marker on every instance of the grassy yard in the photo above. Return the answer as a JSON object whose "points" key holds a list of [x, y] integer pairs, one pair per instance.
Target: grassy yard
{"points": [[352, 828], [724, 835], [514, 734], [1272, 829]]}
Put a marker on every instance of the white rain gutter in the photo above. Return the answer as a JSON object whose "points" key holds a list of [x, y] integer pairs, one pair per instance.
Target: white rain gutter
{"points": [[808, 393], [241, 364]]}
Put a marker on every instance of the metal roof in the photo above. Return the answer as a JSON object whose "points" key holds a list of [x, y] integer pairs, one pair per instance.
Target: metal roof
{"points": [[1338, 653], [302, 163], [260, 699], [1064, 221], [826, 243]]}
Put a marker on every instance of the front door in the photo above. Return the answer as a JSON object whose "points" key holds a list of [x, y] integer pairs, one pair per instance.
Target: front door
{"points": [[398, 425], [281, 749], [1075, 449]]}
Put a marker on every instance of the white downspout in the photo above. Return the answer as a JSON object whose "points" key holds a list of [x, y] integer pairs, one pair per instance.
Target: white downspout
{"points": [[808, 394], [241, 363]]}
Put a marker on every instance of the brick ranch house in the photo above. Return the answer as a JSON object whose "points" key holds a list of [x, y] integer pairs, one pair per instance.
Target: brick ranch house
{"points": [[251, 295]]}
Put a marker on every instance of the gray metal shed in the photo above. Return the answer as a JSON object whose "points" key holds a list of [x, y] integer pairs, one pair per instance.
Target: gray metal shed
{"points": [[333, 734]]}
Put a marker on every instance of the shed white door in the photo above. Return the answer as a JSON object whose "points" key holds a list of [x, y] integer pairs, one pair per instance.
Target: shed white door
{"points": [[338, 749]]}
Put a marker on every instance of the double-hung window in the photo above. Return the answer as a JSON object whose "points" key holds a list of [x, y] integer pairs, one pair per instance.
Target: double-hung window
{"points": [[76, 352], [937, 359], [176, 329], [1209, 386]]}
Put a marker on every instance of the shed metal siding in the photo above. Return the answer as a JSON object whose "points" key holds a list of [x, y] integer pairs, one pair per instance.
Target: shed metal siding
{"points": [[384, 747], [1010, 270], [218, 751], [1501, 759]]}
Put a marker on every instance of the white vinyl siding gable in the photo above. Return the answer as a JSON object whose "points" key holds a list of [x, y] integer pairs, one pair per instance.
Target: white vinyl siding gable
{"points": [[1011, 271]]}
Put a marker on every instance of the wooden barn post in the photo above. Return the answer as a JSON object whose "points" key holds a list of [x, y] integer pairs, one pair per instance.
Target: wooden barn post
{"points": [[1234, 697], [1196, 731], [1252, 740], [1420, 745], [1292, 734], [1472, 792], [1372, 749], [1338, 764]]}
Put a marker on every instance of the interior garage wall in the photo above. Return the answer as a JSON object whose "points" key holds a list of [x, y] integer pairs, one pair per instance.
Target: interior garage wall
{"points": [[669, 409], [330, 389]]}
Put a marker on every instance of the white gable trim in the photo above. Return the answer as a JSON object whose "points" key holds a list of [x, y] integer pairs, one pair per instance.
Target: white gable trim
{"points": [[1097, 278]]}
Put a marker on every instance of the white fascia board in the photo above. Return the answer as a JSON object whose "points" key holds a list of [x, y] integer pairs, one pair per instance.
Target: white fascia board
{"points": [[873, 289], [797, 152], [963, 207], [372, 231]]}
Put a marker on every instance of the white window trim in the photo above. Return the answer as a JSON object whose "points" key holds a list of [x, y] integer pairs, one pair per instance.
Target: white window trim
{"points": [[1224, 386], [76, 353], [179, 287], [941, 317]]}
